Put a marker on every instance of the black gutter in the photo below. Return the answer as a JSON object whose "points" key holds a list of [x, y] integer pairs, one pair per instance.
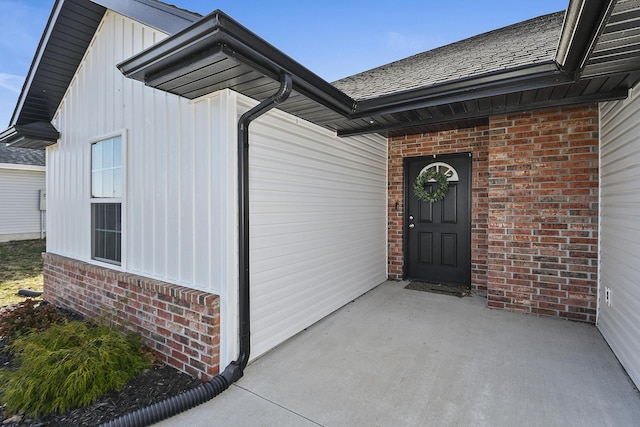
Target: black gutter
{"points": [[584, 22], [233, 372], [216, 33], [33, 135], [496, 83], [538, 105]]}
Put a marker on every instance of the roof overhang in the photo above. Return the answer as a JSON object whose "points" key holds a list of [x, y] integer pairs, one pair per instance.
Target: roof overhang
{"points": [[33, 135], [597, 60], [65, 40], [584, 22], [218, 53]]}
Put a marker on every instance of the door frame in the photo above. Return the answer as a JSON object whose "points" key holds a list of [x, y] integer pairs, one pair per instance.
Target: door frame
{"points": [[407, 193]]}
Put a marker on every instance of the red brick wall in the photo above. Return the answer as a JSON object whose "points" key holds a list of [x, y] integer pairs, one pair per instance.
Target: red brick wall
{"points": [[474, 140], [543, 212], [181, 325], [534, 207]]}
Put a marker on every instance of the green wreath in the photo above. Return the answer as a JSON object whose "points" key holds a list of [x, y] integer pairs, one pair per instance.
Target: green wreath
{"points": [[431, 196]]}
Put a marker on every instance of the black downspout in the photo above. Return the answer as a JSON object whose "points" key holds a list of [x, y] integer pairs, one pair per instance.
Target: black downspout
{"points": [[286, 84], [184, 401]]}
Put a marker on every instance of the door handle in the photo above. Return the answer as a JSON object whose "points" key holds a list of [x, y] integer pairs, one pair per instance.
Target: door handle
{"points": [[411, 225]]}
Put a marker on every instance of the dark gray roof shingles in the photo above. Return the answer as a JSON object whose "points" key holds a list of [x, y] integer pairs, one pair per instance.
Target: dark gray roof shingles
{"points": [[21, 156], [527, 43]]}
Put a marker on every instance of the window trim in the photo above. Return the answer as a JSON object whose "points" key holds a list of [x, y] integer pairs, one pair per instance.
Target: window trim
{"points": [[122, 133]]}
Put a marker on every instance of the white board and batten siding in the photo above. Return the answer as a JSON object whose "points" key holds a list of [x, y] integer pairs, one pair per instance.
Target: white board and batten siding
{"points": [[318, 220], [178, 214], [318, 223], [20, 214], [618, 320]]}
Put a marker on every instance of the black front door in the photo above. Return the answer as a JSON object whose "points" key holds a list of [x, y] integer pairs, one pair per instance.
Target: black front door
{"points": [[438, 235]]}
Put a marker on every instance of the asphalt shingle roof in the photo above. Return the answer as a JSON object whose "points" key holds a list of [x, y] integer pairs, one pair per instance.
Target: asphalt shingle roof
{"points": [[527, 43], [21, 156]]}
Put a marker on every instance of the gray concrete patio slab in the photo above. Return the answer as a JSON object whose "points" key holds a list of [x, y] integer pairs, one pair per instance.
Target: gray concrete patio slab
{"points": [[397, 357]]}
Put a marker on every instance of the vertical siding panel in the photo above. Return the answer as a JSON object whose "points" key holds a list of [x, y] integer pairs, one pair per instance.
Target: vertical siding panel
{"points": [[160, 198], [109, 58], [136, 167], [201, 195], [186, 197], [147, 190], [620, 230], [215, 190], [173, 190], [226, 249], [118, 80]]}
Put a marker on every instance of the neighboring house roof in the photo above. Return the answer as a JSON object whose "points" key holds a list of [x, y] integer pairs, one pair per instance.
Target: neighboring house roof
{"points": [[589, 56], [520, 45], [21, 156]]}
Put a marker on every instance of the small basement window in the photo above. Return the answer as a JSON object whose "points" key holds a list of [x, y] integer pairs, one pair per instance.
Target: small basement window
{"points": [[106, 200]]}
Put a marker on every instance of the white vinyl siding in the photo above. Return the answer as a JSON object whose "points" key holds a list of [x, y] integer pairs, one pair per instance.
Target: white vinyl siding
{"points": [[20, 216], [318, 223], [620, 230], [318, 219], [176, 185]]}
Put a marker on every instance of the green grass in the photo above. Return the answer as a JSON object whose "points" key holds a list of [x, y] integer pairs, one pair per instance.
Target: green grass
{"points": [[20, 267]]}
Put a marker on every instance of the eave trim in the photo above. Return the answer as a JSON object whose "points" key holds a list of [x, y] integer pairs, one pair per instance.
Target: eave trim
{"points": [[217, 32], [498, 83], [584, 22], [36, 135]]}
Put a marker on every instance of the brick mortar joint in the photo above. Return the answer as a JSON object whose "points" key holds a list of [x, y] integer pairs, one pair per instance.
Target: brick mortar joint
{"points": [[144, 283]]}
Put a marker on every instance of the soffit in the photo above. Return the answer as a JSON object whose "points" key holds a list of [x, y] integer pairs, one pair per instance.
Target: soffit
{"points": [[617, 49], [67, 35], [65, 40]]}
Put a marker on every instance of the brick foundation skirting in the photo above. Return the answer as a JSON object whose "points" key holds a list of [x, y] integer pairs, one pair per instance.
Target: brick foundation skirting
{"points": [[181, 325]]}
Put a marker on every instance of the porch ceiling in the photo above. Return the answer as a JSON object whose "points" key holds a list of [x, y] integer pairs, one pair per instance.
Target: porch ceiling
{"points": [[218, 53]]}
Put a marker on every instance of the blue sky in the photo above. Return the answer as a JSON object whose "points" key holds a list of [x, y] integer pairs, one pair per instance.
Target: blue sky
{"points": [[332, 38]]}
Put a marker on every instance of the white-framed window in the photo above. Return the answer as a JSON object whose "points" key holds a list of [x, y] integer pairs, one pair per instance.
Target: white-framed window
{"points": [[106, 200]]}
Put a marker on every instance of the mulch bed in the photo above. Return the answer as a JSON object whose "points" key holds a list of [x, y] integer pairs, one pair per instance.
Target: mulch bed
{"points": [[152, 385]]}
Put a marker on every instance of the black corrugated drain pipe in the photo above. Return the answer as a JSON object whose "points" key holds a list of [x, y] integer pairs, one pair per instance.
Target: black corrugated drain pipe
{"points": [[184, 401]]}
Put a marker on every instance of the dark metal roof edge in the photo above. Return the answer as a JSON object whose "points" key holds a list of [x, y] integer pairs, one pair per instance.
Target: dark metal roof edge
{"points": [[611, 96], [219, 32], [495, 83], [161, 16], [583, 24], [33, 135]]}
